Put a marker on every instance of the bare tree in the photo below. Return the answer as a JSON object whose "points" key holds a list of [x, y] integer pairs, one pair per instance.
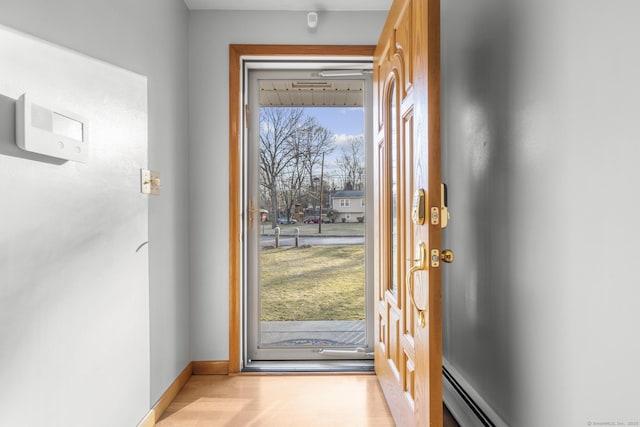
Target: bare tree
{"points": [[278, 127], [290, 184], [351, 164], [290, 146], [314, 140]]}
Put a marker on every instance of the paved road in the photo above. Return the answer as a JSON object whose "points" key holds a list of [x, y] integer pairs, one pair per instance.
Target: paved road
{"points": [[313, 240]]}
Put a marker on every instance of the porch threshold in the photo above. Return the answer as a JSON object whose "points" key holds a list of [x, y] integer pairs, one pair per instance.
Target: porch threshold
{"points": [[310, 366]]}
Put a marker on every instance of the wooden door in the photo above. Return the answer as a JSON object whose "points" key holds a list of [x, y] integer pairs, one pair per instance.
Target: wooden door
{"points": [[408, 350]]}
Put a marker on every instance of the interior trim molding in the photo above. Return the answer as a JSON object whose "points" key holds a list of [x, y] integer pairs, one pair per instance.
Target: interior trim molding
{"points": [[211, 367], [149, 420], [154, 414], [237, 52], [464, 402]]}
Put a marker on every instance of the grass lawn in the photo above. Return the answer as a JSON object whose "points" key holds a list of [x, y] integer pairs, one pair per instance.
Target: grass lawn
{"points": [[315, 283]]}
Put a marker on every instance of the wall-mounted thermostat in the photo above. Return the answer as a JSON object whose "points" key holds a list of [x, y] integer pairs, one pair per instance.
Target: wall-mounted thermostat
{"points": [[51, 132]]}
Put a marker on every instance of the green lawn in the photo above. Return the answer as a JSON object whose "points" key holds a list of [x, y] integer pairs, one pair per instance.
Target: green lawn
{"points": [[314, 283]]}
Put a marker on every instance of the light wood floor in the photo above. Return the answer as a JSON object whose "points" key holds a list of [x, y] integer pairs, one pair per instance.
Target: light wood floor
{"points": [[278, 400]]}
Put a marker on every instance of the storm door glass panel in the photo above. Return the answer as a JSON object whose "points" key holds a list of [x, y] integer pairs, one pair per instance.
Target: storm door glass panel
{"points": [[311, 299]]}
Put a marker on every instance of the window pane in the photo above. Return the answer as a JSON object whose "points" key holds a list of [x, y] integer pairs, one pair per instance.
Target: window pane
{"points": [[393, 158]]}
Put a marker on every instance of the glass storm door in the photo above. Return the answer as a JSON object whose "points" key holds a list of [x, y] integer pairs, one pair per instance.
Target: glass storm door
{"points": [[306, 184]]}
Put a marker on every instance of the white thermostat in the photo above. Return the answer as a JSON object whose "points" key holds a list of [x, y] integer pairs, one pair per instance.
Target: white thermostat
{"points": [[51, 132]]}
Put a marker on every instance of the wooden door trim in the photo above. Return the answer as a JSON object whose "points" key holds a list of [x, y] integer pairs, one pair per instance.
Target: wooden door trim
{"points": [[430, 67], [236, 54]]}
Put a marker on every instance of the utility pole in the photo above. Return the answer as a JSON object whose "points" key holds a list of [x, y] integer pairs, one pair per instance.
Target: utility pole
{"points": [[321, 189]]}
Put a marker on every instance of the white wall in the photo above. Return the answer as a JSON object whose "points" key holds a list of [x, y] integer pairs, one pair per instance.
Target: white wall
{"points": [[148, 37], [210, 33], [541, 143], [74, 299]]}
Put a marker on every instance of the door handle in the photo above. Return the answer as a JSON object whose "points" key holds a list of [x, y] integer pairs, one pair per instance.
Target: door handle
{"points": [[252, 214], [447, 256], [420, 264]]}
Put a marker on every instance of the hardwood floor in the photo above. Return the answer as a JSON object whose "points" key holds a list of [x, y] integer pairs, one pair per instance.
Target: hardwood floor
{"points": [[279, 400]]}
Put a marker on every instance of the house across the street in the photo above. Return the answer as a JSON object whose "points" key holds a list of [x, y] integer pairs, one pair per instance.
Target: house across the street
{"points": [[347, 205]]}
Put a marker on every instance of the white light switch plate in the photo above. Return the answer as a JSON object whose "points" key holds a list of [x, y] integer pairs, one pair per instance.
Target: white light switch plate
{"points": [[149, 182]]}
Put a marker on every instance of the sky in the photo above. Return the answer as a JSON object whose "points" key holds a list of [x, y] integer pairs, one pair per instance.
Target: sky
{"points": [[342, 122]]}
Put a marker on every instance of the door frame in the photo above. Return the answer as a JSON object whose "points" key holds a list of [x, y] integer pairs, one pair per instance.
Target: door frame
{"points": [[237, 54]]}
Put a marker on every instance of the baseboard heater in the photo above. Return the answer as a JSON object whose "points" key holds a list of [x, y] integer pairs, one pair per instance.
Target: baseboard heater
{"points": [[464, 403]]}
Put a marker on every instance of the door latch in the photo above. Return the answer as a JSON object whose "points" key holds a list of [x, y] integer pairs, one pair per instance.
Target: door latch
{"points": [[440, 215], [444, 210], [445, 256], [252, 213]]}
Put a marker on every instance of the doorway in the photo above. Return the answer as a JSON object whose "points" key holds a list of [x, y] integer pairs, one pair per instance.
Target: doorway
{"points": [[238, 55], [306, 264], [409, 44]]}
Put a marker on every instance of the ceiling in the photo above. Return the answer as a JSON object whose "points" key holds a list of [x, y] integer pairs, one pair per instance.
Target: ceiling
{"points": [[289, 93], [311, 93], [294, 5]]}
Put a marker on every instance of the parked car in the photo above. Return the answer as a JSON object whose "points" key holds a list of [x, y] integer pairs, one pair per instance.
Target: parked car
{"points": [[314, 219], [285, 220]]}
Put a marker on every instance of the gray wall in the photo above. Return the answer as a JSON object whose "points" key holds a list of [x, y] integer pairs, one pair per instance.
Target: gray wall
{"points": [[539, 102], [148, 37], [541, 143], [210, 33]]}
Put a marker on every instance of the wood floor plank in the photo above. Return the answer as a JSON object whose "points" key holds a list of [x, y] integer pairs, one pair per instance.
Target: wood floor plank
{"points": [[278, 400], [281, 400]]}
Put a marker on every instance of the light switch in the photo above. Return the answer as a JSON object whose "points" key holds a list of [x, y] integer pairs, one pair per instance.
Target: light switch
{"points": [[149, 182]]}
